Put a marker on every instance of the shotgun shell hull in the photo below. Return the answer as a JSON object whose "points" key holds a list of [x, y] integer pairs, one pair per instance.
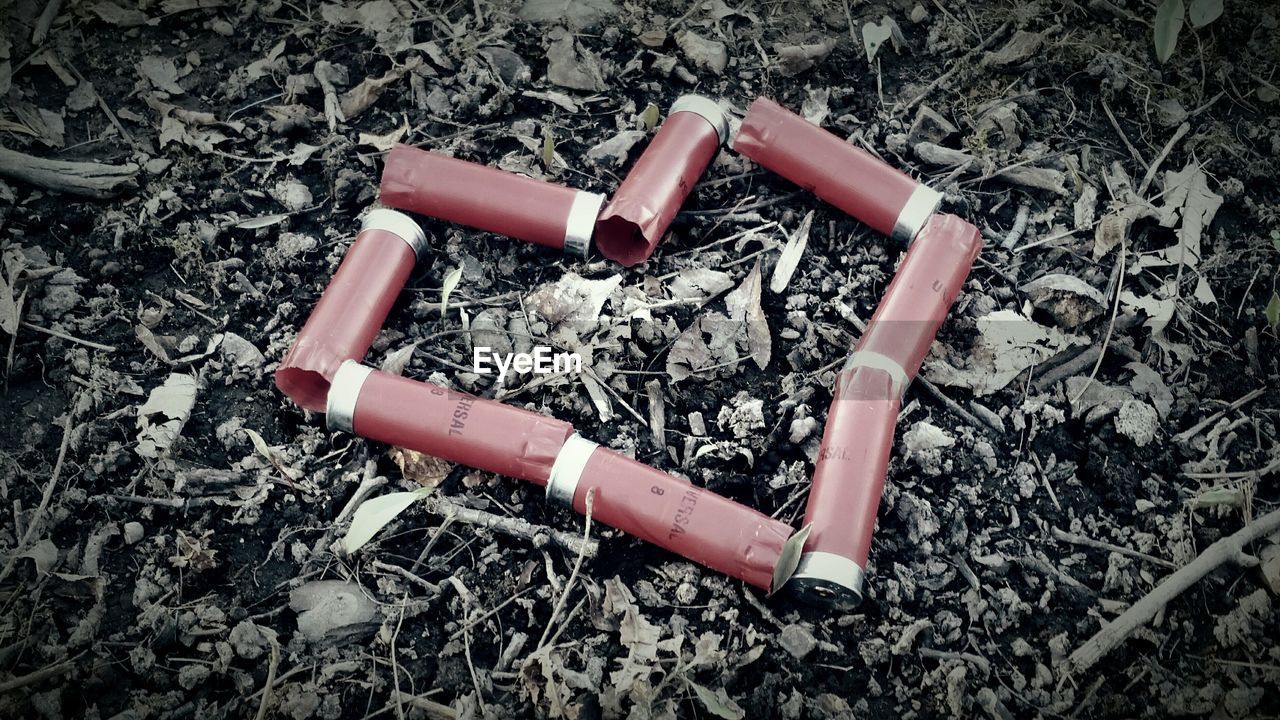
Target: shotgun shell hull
{"points": [[666, 511], [846, 176], [853, 460], [454, 426], [490, 199], [642, 209], [353, 307]]}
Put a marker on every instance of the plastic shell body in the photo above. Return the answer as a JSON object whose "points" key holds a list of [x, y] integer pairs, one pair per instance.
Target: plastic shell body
{"points": [[698, 524], [644, 205], [853, 459], [353, 307], [846, 176], [490, 199], [454, 426]]}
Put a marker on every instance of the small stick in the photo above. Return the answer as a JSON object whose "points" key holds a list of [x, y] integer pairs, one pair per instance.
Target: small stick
{"points": [[1194, 430], [955, 407], [1074, 539], [35, 677], [69, 338], [1271, 467], [1178, 134], [1125, 138], [1111, 324], [1018, 229], [514, 527], [407, 575], [271, 676], [46, 496], [944, 77], [982, 663], [1228, 549], [45, 22], [577, 566]]}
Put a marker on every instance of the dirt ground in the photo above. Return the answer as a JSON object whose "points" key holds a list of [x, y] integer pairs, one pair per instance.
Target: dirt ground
{"points": [[1103, 406]]}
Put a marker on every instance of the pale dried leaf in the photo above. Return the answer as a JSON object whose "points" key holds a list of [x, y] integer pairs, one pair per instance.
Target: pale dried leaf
{"points": [[161, 417], [789, 260], [744, 305], [162, 73], [375, 514]]}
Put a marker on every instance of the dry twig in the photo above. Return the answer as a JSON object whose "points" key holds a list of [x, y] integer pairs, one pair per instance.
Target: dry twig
{"points": [[1227, 550]]}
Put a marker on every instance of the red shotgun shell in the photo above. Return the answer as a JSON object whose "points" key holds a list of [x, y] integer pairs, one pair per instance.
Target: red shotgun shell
{"points": [[846, 176], [490, 199], [637, 217], [454, 426], [849, 476], [666, 511], [353, 307]]}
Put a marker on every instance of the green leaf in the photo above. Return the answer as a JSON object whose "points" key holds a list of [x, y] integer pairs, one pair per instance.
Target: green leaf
{"points": [[1203, 12], [1275, 239], [375, 514], [717, 702], [1272, 311], [650, 117], [548, 148], [1168, 25], [789, 558], [450, 282]]}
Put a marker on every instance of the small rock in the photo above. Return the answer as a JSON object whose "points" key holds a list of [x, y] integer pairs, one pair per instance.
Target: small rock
{"points": [[929, 126], [333, 611], [797, 640], [702, 52], [614, 151], [1068, 299], [686, 593], [1138, 421], [293, 195], [1170, 113], [1020, 48], [509, 67], [241, 352], [133, 532], [802, 429]]}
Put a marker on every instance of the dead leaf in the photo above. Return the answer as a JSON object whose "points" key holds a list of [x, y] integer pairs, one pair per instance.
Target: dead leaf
{"points": [[717, 702], [789, 260], [426, 470], [572, 66], [113, 14], [581, 14], [44, 554], [161, 417], [1189, 200], [162, 73], [744, 306], [573, 299], [1007, 345], [359, 98]]}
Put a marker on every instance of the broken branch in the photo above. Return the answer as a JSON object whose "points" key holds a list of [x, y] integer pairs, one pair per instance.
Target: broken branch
{"points": [[85, 179], [1229, 549]]}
